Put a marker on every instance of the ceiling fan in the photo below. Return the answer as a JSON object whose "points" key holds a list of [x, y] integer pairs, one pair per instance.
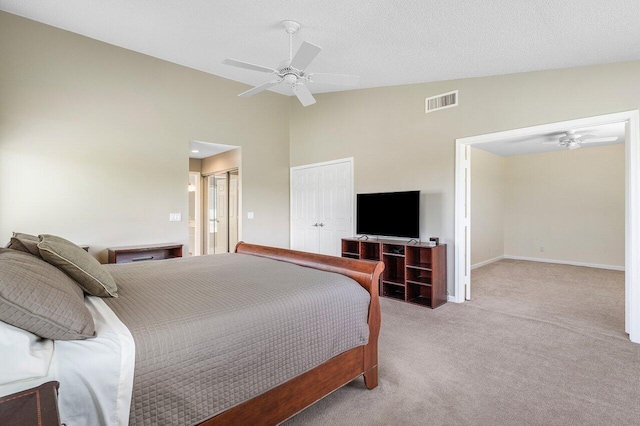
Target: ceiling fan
{"points": [[293, 72], [570, 139]]}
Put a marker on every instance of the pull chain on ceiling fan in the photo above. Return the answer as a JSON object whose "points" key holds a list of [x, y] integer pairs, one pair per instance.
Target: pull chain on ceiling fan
{"points": [[292, 71]]}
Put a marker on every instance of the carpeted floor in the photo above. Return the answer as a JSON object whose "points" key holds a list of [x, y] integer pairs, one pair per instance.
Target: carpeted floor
{"points": [[540, 344]]}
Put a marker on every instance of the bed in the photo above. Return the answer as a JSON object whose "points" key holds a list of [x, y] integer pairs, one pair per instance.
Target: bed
{"points": [[293, 396], [210, 370]]}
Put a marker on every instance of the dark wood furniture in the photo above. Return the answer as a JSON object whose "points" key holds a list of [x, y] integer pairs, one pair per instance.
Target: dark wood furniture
{"points": [[289, 398], [36, 406], [144, 252], [413, 272]]}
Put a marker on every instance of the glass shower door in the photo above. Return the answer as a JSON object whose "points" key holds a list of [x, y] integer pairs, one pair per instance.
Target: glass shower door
{"points": [[222, 212], [217, 233]]}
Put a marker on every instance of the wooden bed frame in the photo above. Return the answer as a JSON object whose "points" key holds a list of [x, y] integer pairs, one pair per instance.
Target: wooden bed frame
{"points": [[288, 399]]}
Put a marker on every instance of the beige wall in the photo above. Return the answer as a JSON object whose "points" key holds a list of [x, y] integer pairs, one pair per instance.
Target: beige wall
{"points": [[195, 165], [397, 146], [570, 202], [222, 162], [487, 205], [76, 116]]}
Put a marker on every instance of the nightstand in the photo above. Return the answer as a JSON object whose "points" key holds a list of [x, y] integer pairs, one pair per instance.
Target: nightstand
{"points": [[33, 407], [144, 252]]}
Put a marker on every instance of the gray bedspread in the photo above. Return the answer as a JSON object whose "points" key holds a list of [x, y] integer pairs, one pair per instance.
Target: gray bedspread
{"points": [[214, 331]]}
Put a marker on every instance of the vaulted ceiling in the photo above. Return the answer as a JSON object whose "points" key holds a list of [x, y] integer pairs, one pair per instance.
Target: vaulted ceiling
{"points": [[385, 42]]}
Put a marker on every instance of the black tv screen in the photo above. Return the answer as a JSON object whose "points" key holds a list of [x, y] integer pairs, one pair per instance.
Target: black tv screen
{"points": [[390, 214]]}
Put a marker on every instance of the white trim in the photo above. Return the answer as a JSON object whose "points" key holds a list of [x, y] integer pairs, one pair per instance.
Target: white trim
{"points": [[197, 249], [324, 163], [619, 117], [452, 299], [461, 235], [486, 262], [565, 262], [632, 209], [632, 228], [543, 260]]}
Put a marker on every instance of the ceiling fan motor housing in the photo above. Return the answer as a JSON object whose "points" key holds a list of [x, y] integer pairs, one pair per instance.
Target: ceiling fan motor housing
{"points": [[290, 79]]}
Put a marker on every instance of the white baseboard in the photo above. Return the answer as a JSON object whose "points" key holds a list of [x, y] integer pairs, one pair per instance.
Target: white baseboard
{"points": [[565, 262], [486, 262], [537, 259]]}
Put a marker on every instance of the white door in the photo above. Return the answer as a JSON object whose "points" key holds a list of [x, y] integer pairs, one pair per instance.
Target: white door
{"points": [[321, 206], [304, 209], [335, 205]]}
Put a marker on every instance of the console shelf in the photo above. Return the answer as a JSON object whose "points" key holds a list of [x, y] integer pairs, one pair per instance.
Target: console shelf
{"points": [[414, 273]]}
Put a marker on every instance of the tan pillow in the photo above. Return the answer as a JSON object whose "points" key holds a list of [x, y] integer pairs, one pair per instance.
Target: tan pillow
{"points": [[25, 242], [78, 264], [41, 299]]}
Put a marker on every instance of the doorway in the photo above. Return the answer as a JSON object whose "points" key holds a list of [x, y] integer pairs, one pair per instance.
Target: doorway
{"points": [[632, 209], [221, 216], [215, 197]]}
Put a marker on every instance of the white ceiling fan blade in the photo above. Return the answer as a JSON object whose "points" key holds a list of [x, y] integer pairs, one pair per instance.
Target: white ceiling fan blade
{"points": [[337, 79], [304, 56], [248, 66], [259, 89], [304, 95], [596, 140]]}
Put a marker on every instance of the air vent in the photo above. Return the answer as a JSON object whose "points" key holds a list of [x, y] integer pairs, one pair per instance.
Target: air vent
{"points": [[446, 100]]}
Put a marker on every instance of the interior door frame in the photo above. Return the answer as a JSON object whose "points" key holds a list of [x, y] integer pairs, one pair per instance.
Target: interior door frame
{"points": [[324, 163], [205, 204], [198, 213], [632, 205]]}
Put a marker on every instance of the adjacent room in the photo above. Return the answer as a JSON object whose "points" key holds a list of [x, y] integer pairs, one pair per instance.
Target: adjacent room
{"points": [[548, 227], [214, 197], [319, 213]]}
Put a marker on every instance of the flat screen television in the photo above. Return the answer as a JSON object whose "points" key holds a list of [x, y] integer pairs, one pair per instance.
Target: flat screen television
{"points": [[389, 214]]}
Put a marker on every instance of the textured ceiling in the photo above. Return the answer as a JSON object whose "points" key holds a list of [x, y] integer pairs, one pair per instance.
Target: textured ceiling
{"points": [[538, 144], [385, 42]]}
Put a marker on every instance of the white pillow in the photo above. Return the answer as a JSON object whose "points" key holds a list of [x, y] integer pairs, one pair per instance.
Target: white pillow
{"points": [[23, 355]]}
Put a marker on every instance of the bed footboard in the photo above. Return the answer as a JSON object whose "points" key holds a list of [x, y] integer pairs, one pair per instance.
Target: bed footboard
{"points": [[298, 393]]}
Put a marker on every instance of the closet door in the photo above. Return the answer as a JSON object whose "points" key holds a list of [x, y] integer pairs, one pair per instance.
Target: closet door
{"points": [[321, 207], [304, 210], [335, 207]]}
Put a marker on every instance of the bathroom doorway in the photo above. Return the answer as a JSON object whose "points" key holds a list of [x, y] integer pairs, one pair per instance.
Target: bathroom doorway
{"points": [[221, 234]]}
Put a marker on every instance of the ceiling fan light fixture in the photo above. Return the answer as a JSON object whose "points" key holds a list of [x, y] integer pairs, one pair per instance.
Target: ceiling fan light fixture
{"points": [[292, 71], [573, 145], [290, 79]]}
